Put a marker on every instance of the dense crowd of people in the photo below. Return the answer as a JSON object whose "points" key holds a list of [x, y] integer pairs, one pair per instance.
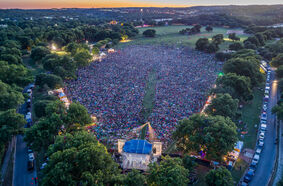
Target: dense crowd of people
{"points": [[114, 89]]}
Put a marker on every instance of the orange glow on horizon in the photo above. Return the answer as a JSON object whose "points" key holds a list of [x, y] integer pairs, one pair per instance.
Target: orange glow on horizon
{"points": [[35, 4]]}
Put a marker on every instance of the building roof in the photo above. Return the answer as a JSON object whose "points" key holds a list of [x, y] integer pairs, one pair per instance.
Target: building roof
{"points": [[138, 147]]}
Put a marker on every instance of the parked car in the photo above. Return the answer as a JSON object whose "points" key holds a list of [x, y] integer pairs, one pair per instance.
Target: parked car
{"points": [[260, 142], [263, 116], [258, 150], [30, 150], [263, 127], [256, 158], [264, 107], [30, 165], [248, 176], [261, 135], [31, 156]]}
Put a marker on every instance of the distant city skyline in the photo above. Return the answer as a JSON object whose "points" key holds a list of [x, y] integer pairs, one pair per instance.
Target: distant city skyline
{"points": [[39, 4]]}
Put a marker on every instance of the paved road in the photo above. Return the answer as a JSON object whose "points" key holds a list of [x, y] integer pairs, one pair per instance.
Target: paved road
{"points": [[267, 157], [22, 177]]}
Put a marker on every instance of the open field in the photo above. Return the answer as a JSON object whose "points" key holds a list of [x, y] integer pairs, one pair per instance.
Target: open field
{"points": [[250, 116], [169, 35]]}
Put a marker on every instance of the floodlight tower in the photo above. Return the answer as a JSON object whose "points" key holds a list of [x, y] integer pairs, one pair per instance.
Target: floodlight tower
{"points": [[141, 14]]}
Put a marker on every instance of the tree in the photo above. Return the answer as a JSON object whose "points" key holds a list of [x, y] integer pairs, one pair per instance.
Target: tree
{"points": [[43, 133], [149, 33], [219, 177], [209, 29], [189, 162], [40, 107], [135, 178], [170, 172], [237, 86], [233, 37], [248, 66], [278, 110], [214, 136], [78, 114], [72, 48], [51, 80], [82, 58], [223, 56], [202, 44], [218, 39], [10, 97], [10, 122], [235, 46], [223, 105], [78, 159], [279, 72], [39, 53], [277, 61]]}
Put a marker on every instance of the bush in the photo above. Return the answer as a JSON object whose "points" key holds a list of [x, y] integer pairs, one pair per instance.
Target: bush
{"points": [[51, 80], [149, 33]]}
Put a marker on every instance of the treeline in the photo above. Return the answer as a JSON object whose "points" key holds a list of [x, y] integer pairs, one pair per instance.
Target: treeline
{"points": [[14, 76]]}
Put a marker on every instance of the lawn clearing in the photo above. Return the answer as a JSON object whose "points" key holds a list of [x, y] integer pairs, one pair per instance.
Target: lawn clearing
{"points": [[169, 35]]}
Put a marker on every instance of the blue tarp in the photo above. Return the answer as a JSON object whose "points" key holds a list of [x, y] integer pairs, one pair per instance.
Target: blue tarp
{"points": [[138, 147], [61, 94]]}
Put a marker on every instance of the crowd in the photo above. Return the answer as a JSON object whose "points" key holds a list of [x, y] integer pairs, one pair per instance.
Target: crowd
{"points": [[114, 89]]}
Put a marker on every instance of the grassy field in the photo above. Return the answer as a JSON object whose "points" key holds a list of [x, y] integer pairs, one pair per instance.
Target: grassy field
{"points": [[250, 116], [169, 35]]}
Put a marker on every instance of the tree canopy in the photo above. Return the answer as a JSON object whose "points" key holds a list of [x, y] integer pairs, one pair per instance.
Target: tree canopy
{"points": [[223, 105], [170, 172], [213, 135], [76, 159], [219, 177]]}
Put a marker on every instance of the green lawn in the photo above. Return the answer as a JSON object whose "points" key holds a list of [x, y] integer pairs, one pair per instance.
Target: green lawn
{"points": [[250, 116], [169, 35]]}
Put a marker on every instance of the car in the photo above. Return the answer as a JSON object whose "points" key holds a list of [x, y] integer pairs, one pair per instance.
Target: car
{"points": [[253, 165], [31, 156], [266, 98], [263, 127], [260, 142], [43, 165], [244, 184], [256, 158], [30, 151], [266, 92], [263, 116], [264, 107], [30, 165], [261, 135], [258, 150], [263, 121], [248, 176]]}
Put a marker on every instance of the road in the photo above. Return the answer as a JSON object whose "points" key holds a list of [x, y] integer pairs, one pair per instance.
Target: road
{"points": [[22, 177], [267, 157]]}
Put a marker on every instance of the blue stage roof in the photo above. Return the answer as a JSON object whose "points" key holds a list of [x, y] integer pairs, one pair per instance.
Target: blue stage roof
{"points": [[138, 147]]}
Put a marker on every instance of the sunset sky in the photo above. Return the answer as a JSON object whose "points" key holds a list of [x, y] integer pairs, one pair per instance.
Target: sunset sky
{"points": [[42, 4]]}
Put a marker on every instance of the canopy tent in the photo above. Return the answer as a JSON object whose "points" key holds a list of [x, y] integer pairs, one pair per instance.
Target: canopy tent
{"points": [[137, 147]]}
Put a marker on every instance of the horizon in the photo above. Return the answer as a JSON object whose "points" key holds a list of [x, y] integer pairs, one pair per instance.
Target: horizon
{"points": [[62, 4]]}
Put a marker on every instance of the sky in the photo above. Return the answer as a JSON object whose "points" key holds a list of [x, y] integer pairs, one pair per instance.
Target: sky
{"points": [[45, 4]]}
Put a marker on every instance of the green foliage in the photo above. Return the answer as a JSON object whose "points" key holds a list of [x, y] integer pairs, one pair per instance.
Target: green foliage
{"points": [[78, 114], [43, 133], [248, 66], [39, 108], [14, 74], [219, 177], [78, 159], [235, 46], [51, 80], [223, 105], [233, 37], [277, 61], [149, 33], [278, 110], [237, 86], [189, 162], [170, 172], [209, 28], [10, 97], [203, 44], [82, 58], [39, 53], [218, 39], [279, 72], [135, 178], [215, 135], [10, 122]]}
